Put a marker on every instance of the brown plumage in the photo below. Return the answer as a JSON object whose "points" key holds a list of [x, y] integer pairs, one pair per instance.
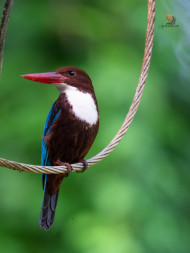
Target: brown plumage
{"points": [[68, 140], [68, 134]]}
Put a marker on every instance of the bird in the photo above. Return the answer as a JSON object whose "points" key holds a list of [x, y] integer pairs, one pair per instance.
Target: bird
{"points": [[69, 132]]}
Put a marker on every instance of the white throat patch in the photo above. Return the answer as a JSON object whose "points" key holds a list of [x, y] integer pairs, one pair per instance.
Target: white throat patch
{"points": [[83, 104]]}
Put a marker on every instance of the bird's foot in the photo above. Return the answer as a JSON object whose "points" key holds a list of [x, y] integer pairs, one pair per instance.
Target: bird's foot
{"points": [[85, 165], [68, 165]]}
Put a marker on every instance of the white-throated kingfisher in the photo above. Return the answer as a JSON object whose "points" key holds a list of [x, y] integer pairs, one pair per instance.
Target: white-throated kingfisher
{"points": [[69, 132]]}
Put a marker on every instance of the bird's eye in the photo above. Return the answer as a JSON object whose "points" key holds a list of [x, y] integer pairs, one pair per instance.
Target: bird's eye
{"points": [[71, 73]]}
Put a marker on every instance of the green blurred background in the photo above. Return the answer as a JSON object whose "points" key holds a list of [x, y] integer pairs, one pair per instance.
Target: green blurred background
{"points": [[136, 200]]}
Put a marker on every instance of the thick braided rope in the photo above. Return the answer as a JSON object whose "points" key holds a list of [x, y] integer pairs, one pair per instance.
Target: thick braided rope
{"points": [[130, 115]]}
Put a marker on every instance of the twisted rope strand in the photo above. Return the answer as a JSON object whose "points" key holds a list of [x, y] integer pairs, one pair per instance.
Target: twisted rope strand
{"points": [[129, 118]]}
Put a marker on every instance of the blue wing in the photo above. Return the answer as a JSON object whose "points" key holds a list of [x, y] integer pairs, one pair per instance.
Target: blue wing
{"points": [[53, 115], [49, 201]]}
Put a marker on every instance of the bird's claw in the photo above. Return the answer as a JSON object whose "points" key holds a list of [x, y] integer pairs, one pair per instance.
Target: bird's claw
{"points": [[68, 165], [85, 165]]}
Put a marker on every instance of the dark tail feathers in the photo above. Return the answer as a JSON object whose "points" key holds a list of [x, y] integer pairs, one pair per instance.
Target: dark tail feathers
{"points": [[48, 209]]}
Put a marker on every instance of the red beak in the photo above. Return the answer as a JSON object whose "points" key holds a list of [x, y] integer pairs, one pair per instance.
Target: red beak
{"points": [[49, 77]]}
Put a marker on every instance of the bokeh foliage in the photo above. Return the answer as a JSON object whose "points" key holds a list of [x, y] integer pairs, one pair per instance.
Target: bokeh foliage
{"points": [[137, 199]]}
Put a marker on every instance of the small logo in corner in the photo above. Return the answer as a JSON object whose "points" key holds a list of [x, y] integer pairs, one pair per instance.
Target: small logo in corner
{"points": [[170, 21]]}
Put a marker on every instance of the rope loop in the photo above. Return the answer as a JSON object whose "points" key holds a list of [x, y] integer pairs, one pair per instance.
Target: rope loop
{"points": [[130, 115]]}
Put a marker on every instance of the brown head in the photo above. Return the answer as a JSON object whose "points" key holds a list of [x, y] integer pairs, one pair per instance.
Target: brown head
{"points": [[72, 76]]}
